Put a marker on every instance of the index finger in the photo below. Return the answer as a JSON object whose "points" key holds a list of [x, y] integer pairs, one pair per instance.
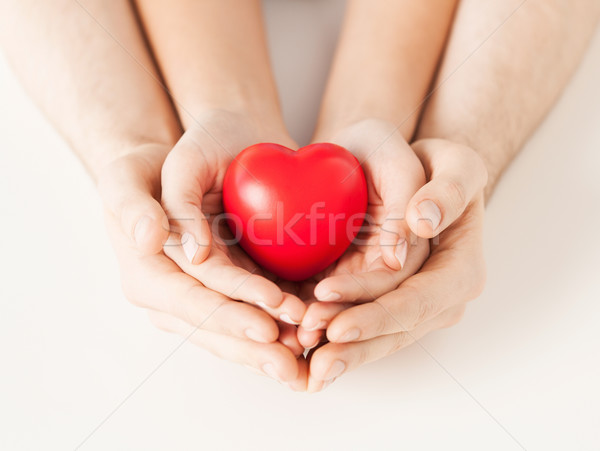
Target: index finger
{"points": [[218, 273], [452, 275]]}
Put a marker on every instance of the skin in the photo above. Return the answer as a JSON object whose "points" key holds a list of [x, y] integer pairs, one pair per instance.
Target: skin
{"points": [[224, 106], [384, 64], [193, 173], [399, 45], [99, 84], [232, 101], [517, 76]]}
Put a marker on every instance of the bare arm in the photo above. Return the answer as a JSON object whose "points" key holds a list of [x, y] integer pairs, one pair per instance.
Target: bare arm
{"points": [[495, 100], [86, 65], [214, 56], [491, 103], [385, 62]]}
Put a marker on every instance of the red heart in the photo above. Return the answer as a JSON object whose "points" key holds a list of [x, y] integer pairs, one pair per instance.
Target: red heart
{"points": [[295, 212]]}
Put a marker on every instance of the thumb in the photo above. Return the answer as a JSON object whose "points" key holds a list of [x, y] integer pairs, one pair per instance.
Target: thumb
{"points": [[399, 176], [187, 174], [127, 187], [457, 175]]}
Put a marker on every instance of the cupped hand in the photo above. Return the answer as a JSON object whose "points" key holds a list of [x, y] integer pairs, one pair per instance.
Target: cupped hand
{"points": [[192, 182], [384, 253], [177, 302], [449, 207]]}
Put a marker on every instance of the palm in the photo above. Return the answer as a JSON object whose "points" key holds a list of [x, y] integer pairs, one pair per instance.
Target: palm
{"points": [[364, 254], [363, 272], [193, 176], [217, 142]]}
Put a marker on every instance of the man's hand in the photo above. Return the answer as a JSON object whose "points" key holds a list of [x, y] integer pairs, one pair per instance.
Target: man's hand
{"points": [[436, 296], [192, 183], [176, 301]]}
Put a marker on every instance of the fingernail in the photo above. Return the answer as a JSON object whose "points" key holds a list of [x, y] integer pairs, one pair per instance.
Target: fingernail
{"points": [[253, 335], [189, 246], [333, 296], [401, 251], [286, 319], [269, 370], [320, 325], [351, 335], [429, 211], [336, 369], [141, 228], [314, 344]]}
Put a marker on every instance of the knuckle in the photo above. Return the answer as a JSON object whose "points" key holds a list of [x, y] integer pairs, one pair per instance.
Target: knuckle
{"points": [[456, 316], [425, 311], [187, 305], [111, 172], [399, 341], [418, 308], [122, 168], [381, 324], [363, 355], [455, 193], [130, 290], [478, 279], [229, 311], [214, 350], [177, 308], [158, 321], [483, 172], [479, 167]]}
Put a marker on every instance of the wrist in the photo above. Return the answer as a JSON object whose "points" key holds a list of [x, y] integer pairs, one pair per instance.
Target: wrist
{"points": [[328, 130], [100, 143], [260, 125], [330, 123], [106, 155], [239, 97]]}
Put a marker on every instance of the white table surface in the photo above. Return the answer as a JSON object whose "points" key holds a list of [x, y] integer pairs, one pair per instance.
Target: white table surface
{"points": [[523, 365]]}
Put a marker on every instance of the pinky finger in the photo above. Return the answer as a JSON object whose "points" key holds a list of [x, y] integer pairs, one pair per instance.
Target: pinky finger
{"points": [[299, 384], [273, 359], [334, 359]]}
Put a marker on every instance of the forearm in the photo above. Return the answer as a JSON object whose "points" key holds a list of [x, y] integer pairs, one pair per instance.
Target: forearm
{"points": [[213, 55], [94, 80], [494, 99], [385, 62]]}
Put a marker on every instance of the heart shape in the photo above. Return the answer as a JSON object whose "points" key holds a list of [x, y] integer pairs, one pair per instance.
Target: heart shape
{"points": [[295, 212]]}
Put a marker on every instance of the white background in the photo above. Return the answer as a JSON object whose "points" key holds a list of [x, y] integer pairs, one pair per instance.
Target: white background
{"points": [[527, 352]]}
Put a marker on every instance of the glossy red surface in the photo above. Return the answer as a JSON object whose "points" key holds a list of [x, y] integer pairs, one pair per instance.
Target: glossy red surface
{"points": [[295, 212]]}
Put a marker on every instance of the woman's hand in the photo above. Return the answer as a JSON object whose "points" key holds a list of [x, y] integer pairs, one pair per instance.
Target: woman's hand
{"points": [[384, 253], [177, 302], [192, 182], [436, 296]]}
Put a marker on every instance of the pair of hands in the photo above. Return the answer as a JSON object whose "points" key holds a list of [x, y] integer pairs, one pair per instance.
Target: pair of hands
{"points": [[369, 304]]}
